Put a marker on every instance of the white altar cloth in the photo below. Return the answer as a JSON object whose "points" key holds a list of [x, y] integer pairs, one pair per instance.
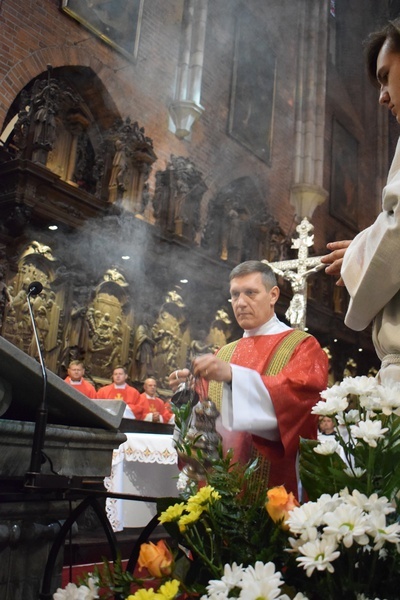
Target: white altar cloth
{"points": [[144, 465]]}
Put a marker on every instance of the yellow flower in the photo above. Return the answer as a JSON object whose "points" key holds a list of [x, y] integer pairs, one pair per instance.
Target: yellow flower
{"points": [[142, 595], [172, 513], [279, 503], [156, 558], [168, 591], [205, 494], [192, 516]]}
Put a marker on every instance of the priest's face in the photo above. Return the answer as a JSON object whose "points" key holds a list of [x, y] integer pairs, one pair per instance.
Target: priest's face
{"points": [[150, 387], [119, 376], [253, 305], [76, 372]]}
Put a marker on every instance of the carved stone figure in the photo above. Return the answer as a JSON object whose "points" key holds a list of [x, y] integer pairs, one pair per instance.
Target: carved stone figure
{"points": [[5, 299], [116, 185], [143, 352], [43, 328], [132, 156], [179, 190], [234, 226], [170, 336]]}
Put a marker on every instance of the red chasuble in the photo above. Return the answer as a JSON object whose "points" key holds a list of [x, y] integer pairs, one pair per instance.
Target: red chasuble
{"points": [[84, 387], [294, 391], [155, 405], [129, 394]]}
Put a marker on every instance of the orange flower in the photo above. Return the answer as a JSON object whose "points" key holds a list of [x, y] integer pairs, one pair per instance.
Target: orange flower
{"points": [[156, 558], [279, 503]]}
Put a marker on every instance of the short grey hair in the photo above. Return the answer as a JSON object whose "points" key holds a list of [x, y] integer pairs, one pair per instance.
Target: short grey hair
{"points": [[255, 266]]}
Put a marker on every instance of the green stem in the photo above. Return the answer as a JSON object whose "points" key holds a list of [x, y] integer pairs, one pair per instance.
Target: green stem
{"points": [[370, 470], [198, 547]]}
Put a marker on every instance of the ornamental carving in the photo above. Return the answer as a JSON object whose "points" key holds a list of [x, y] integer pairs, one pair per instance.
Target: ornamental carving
{"points": [[178, 194]]}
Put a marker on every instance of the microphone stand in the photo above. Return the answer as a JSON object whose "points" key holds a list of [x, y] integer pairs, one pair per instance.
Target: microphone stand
{"points": [[42, 411]]}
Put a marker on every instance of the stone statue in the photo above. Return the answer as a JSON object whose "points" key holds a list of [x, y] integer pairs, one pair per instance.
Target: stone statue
{"points": [[179, 190], [5, 299], [119, 169]]}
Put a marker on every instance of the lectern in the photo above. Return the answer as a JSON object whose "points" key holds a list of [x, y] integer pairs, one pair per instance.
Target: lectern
{"points": [[76, 454]]}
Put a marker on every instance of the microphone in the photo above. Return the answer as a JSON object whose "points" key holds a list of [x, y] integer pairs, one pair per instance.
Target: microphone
{"points": [[34, 289]]}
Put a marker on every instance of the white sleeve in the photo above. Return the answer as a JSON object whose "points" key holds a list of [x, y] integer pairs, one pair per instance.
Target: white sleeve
{"points": [[370, 270], [149, 417], [247, 406]]}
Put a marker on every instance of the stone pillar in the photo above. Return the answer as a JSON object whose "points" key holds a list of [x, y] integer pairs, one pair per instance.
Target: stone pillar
{"points": [[307, 191], [186, 107]]}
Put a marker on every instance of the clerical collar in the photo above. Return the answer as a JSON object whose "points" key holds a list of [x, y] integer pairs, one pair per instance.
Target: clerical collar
{"points": [[120, 387], [76, 382], [274, 325]]}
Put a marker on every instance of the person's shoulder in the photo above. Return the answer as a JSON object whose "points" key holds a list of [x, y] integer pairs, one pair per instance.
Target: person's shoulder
{"points": [[133, 390], [105, 387], [89, 383]]}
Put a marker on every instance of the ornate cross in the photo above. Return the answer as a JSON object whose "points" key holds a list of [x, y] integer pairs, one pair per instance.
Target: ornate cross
{"points": [[296, 271]]}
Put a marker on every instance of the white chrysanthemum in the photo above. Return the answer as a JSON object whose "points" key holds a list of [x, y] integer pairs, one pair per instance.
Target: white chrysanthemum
{"points": [[74, 592], [332, 392], [356, 472], [300, 596], [371, 403], [216, 596], [381, 532], [319, 555], [348, 524], [260, 572], [373, 503], [231, 578], [363, 597], [182, 482], [327, 447], [355, 498], [369, 431], [349, 417], [295, 543], [332, 405], [305, 519], [389, 398], [267, 589], [327, 503], [358, 386], [93, 587]]}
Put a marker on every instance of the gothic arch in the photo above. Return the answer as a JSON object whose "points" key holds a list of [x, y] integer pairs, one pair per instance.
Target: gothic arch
{"points": [[66, 120], [36, 63]]}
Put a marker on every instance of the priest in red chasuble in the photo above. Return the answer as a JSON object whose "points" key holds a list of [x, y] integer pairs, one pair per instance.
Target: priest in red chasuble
{"points": [[154, 409], [266, 383], [120, 390]]}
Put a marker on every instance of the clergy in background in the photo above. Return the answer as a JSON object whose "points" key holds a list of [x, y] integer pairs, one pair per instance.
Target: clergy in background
{"points": [[266, 383], [76, 371], [120, 390], [154, 409]]}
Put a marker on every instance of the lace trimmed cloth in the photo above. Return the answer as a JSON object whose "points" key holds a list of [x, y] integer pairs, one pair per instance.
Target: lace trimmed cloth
{"points": [[140, 448]]}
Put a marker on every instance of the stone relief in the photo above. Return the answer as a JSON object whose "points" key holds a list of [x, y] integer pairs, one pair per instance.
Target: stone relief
{"points": [[178, 194], [237, 229]]}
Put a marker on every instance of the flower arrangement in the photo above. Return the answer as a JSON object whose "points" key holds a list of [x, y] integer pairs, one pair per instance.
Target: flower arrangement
{"points": [[229, 539]]}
